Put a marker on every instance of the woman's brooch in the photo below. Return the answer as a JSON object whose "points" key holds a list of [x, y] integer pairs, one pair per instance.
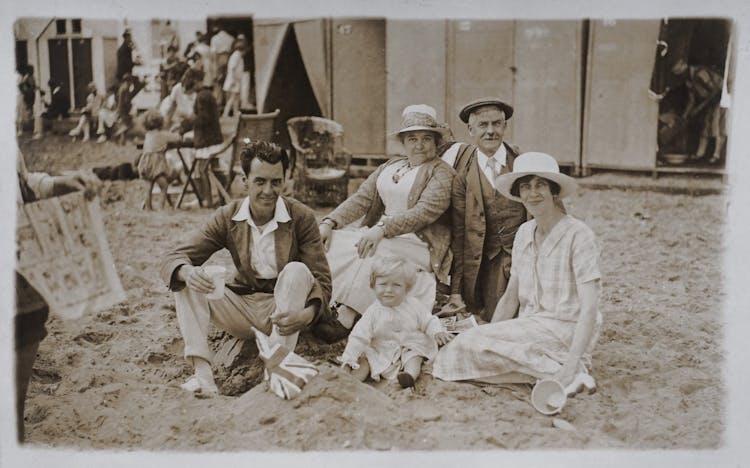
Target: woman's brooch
{"points": [[399, 174]]}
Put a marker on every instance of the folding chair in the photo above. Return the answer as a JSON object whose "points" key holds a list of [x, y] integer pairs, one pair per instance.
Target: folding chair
{"points": [[249, 127], [188, 183], [207, 172]]}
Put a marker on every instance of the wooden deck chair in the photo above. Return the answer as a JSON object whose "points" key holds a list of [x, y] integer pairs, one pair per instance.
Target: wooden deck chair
{"points": [[250, 127]]}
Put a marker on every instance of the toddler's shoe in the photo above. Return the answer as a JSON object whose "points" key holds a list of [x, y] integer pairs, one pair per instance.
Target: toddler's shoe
{"points": [[405, 380]]}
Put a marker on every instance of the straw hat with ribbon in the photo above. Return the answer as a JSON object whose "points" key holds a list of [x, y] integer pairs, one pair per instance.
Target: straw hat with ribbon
{"points": [[420, 117], [539, 164]]}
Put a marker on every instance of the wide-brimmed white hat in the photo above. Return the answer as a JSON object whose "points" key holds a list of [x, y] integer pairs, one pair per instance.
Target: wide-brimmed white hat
{"points": [[539, 164], [420, 117]]}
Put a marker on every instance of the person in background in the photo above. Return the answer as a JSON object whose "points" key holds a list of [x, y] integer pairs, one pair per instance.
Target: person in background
{"points": [[166, 71], [233, 81], [221, 47], [202, 57], [58, 106], [125, 52], [207, 141], [31, 308], [27, 93], [704, 86], [89, 113], [169, 38], [153, 165], [127, 90], [178, 108], [107, 114]]}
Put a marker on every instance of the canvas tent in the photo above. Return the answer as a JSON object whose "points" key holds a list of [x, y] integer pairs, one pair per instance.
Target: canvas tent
{"points": [[292, 69]]}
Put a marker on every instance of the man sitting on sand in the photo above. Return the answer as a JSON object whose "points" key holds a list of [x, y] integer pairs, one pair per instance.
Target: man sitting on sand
{"points": [[275, 246]]}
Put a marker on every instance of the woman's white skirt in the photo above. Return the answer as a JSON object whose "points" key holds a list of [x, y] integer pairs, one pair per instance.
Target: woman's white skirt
{"points": [[351, 274]]}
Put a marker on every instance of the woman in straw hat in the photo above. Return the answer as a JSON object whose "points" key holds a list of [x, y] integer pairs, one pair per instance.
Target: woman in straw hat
{"points": [[404, 205], [554, 285]]}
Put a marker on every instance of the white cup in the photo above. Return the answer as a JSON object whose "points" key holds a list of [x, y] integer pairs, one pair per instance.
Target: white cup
{"points": [[217, 273], [548, 397]]}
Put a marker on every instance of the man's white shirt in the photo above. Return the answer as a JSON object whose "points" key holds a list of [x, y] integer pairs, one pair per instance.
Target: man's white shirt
{"points": [[263, 253], [501, 156]]}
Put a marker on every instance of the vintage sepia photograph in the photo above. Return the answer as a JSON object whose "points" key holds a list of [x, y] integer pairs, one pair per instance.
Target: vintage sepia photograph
{"points": [[374, 231]]}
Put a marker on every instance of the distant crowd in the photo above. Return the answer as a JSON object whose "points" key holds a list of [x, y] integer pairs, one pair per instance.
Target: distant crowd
{"points": [[212, 61]]}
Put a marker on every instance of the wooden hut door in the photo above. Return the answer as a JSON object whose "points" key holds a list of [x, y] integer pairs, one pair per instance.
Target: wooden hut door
{"points": [[109, 53], [620, 121], [359, 82], [547, 91], [480, 63], [82, 70]]}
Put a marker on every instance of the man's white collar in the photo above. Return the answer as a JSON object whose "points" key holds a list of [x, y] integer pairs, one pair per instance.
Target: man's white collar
{"points": [[280, 215], [500, 155]]}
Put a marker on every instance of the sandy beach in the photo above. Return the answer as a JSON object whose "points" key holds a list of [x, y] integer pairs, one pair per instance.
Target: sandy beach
{"points": [[110, 380]]}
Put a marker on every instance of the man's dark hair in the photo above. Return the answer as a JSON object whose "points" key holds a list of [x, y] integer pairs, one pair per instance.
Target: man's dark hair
{"points": [[265, 151], [554, 188]]}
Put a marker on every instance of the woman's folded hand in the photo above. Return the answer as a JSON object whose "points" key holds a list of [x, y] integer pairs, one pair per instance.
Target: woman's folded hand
{"points": [[369, 241]]}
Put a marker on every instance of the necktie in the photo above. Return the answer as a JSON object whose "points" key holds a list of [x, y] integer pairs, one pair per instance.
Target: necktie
{"points": [[492, 164]]}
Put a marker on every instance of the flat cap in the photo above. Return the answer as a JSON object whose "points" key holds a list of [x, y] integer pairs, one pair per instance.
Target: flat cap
{"points": [[485, 101]]}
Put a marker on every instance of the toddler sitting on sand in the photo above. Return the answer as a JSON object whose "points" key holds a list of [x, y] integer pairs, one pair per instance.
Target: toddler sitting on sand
{"points": [[396, 333]]}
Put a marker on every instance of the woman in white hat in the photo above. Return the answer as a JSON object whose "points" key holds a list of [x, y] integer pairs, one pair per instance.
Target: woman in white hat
{"points": [[554, 286], [404, 205]]}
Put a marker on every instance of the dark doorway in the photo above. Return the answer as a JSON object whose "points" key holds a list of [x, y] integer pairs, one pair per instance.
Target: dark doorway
{"points": [[290, 89], [689, 71], [82, 70], [58, 65]]}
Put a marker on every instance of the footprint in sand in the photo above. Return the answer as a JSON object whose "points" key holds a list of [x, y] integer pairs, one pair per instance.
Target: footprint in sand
{"points": [[92, 337]]}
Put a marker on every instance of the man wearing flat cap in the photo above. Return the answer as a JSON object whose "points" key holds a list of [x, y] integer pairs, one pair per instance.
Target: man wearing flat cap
{"points": [[484, 221]]}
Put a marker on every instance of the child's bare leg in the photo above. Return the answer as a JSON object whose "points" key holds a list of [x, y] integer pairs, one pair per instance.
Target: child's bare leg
{"points": [[163, 184], [78, 128], [86, 127], [204, 183], [363, 371], [720, 140], [412, 369], [147, 202], [702, 145]]}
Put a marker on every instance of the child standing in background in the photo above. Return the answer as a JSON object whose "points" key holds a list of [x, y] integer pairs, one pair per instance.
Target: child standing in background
{"points": [[396, 333], [153, 165]]}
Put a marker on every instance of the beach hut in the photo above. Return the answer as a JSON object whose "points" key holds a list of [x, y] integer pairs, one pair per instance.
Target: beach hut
{"points": [[361, 72], [628, 71]]}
